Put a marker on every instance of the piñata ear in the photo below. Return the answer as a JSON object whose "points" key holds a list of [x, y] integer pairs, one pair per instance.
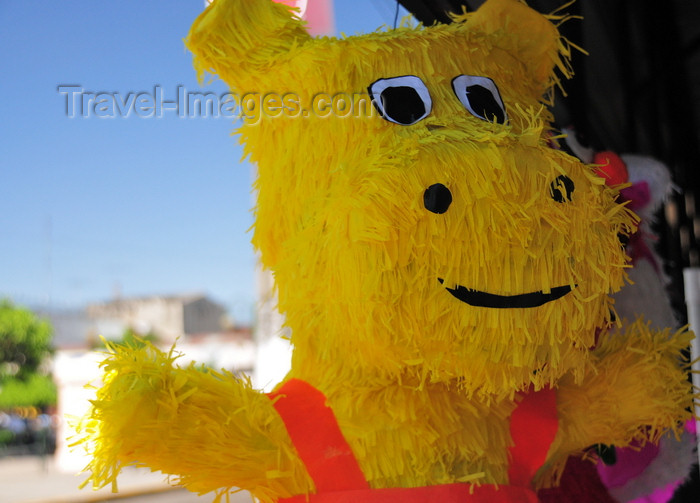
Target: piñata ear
{"points": [[522, 31], [240, 40]]}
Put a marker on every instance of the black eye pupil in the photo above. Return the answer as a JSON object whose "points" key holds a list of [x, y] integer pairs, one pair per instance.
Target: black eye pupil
{"points": [[484, 104], [561, 189], [437, 198], [402, 104]]}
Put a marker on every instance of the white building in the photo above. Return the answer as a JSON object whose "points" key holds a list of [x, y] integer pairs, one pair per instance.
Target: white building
{"points": [[168, 317]]}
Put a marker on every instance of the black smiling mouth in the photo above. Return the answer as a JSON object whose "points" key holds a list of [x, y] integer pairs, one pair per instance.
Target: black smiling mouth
{"points": [[523, 300]]}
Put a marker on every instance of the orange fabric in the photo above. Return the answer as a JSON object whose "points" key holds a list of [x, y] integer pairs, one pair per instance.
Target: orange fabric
{"points": [[315, 434], [448, 493], [533, 426], [338, 478]]}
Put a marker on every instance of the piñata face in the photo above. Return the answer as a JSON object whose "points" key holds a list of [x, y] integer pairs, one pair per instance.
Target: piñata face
{"points": [[433, 233]]}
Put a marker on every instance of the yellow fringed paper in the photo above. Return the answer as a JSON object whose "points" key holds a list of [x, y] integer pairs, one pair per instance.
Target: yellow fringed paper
{"points": [[209, 429], [422, 383]]}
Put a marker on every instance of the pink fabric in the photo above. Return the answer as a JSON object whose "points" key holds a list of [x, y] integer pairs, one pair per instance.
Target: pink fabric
{"points": [[659, 495], [630, 463], [638, 194], [317, 13], [664, 494]]}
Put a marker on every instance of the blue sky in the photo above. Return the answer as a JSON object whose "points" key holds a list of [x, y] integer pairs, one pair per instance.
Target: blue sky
{"points": [[141, 206]]}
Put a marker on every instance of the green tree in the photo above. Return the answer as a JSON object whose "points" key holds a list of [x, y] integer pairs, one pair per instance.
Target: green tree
{"points": [[25, 342], [36, 391]]}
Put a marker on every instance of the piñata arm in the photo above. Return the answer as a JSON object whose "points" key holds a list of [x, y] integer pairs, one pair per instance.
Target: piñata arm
{"points": [[638, 390], [211, 431]]}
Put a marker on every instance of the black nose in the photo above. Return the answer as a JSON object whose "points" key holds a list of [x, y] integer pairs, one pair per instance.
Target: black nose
{"points": [[437, 198], [561, 189]]}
